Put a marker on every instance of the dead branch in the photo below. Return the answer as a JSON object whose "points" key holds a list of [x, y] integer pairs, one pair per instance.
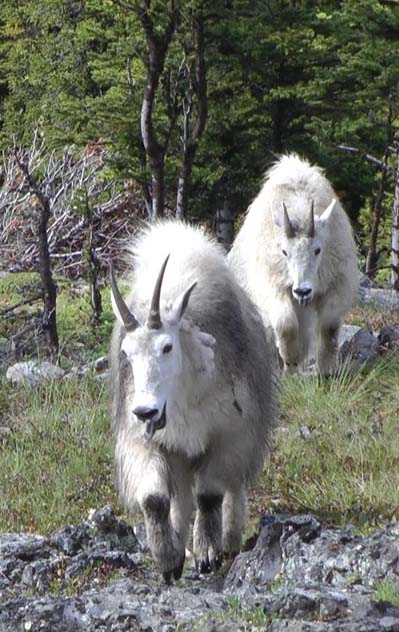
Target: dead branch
{"points": [[372, 159], [27, 301]]}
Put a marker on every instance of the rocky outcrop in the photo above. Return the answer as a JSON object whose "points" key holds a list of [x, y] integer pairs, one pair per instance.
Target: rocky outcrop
{"points": [[299, 576], [33, 372]]}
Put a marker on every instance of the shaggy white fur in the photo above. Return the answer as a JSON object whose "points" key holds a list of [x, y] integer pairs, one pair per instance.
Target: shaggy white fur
{"points": [[304, 285], [214, 382]]}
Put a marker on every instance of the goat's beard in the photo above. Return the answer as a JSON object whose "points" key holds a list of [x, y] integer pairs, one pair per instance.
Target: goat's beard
{"points": [[155, 424]]}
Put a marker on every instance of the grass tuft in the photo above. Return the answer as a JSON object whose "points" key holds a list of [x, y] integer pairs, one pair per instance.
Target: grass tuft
{"points": [[387, 590], [56, 461], [345, 467]]}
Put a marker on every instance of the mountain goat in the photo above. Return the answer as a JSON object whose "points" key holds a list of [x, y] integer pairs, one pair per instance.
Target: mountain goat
{"points": [[193, 405], [296, 255]]}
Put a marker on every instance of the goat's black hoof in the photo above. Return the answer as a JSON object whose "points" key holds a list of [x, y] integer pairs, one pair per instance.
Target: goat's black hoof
{"points": [[178, 571], [216, 563], [205, 566], [167, 575], [175, 573]]}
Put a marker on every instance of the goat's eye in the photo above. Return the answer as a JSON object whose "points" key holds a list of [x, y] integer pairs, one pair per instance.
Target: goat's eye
{"points": [[284, 252], [167, 348], [317, 251]]}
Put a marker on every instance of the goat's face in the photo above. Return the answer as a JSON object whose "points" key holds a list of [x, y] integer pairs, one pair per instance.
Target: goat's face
{"points": [[154, 352], [156, 360], [302, 249]]}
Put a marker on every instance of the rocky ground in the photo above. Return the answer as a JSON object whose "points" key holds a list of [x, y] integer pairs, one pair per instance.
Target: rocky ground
{"points": [[299, 576]]}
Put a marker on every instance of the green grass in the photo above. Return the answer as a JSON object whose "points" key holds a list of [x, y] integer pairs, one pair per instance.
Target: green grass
{"points": [[348, 469], [56, 463], [387, 590], [249, 619], [78, 338]]}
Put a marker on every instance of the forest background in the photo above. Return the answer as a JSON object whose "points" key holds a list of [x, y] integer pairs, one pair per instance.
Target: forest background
{"points": [[197, 98], [114, 111]]}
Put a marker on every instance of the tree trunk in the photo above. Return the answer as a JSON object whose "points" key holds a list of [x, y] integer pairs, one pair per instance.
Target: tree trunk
{"points": [[372, 256], [183, 182], [190, 141], [395, 229], [158, 187], [224, 225], [49, 319], [158, 44]]}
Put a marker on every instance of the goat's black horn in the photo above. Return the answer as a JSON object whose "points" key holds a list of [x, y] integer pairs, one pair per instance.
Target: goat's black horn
{"points": [[154, 316], [310, 225], [128, 318], [288, 227]]}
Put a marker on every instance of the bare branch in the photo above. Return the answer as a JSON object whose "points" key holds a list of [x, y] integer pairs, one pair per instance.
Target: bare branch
{"points": [[372, 159]]}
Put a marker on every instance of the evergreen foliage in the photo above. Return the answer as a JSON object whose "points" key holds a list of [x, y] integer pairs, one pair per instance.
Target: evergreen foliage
{"points": [[282, 75]]}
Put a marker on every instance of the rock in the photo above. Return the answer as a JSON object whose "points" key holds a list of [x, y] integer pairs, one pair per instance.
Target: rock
{"points": [[300, 576], [102, 377], [346, 334], [389, 337], [365, 282], [359, 350], [101, 364], [99, 368], [380, 297], [34, 372]]}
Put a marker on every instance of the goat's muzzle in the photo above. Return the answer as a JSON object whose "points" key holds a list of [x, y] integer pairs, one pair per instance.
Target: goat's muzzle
{"points": [[152, 422], [303, 295]]}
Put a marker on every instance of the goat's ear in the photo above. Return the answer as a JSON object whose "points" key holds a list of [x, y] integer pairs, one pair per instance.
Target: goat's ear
{"points": [[180, 304], [325, 216]]}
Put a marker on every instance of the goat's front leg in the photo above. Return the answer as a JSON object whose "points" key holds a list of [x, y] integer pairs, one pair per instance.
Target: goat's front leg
{"points": [[207, 537], [163, 540], [154, 494], [327, 351], [286, 328]]}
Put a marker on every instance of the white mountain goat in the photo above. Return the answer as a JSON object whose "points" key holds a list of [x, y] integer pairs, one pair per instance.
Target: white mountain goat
{"points": [[296, 255], [193, 404]]}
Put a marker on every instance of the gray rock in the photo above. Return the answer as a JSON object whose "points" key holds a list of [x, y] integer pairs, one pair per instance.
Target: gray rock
{"points": [[34, 372], [389, 337], [365, 282], [300, 576], [346, 334], [380, 297], [101, 364], [362, 348]]}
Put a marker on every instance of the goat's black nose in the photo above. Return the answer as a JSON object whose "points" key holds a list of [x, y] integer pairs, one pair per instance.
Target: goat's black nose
{"points": [[144, 414], [302, 292]]}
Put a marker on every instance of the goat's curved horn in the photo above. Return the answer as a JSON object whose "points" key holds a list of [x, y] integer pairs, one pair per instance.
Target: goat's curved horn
{"points": [[128, 318], [154, 317], [288, 227], [310, 224]]}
